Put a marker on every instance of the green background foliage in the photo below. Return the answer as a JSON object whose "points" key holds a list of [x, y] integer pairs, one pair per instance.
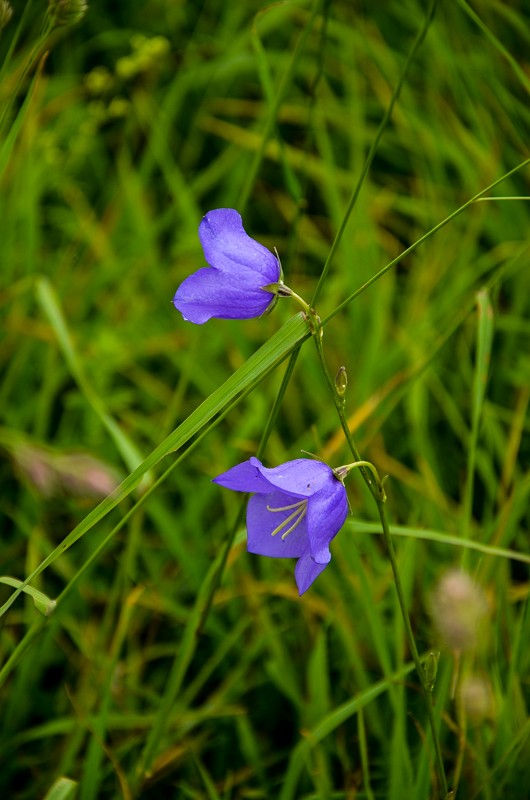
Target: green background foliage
{"points": [[155, 674]]}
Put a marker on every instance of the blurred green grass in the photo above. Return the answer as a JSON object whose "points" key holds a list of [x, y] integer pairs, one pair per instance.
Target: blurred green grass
{"points": [[138, 121]]}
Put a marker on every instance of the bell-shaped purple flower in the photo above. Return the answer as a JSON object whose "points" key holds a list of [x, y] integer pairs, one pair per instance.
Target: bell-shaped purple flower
{"points": [[296, 510], [230, 288]]}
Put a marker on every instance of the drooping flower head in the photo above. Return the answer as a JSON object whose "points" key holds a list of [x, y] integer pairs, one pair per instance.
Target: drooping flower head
{"points": [[230, 287], [296, 510]]}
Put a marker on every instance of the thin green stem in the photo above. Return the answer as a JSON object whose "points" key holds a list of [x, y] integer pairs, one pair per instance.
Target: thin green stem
{"points": [[273, 416], [373, 148], [422, 239], [461, 723], [484, 342], [501, 197], [342, 472], [339, 405], [378, 496], [365, 762], [281, 290], [240, 515], [427, 696]]}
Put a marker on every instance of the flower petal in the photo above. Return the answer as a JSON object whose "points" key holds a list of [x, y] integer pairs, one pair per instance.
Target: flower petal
{"points": [[302, 477], [261, 523], [306, 571], [210, 293], [228, 247], [326, 514], [245, 477]]}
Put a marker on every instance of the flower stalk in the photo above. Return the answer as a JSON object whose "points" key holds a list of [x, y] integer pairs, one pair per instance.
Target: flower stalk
{"points": [[281, 290], [376, 487], [342, 473]]}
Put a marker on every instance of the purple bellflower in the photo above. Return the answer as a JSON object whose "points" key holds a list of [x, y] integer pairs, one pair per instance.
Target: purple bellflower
{"points": [[231, 287], [296, 510]]}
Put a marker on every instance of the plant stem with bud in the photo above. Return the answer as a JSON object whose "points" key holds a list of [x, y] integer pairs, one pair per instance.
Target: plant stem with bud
{"points": [[376, 488]]}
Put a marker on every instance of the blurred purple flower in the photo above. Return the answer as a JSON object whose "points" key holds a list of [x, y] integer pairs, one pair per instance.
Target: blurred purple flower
{"points": [[230, 288], [296, 510], [52, 473]]}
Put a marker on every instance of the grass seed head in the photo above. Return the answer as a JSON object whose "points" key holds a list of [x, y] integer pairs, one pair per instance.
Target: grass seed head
{"points": [[459, 608], [6, 12], [67, 12], [477, 699]]}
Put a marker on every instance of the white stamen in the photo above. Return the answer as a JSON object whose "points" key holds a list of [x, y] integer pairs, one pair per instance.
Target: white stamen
{"points": [[298, 515]]}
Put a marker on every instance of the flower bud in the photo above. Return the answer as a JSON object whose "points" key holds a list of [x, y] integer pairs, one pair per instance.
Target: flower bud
{"points": [[341, 381], [459, 608], [430, 668]]}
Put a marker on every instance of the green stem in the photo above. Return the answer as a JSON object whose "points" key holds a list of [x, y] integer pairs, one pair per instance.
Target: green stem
{"points": [[427, 696], [241, 513], [424, 238], [363, 747], [339, 405], [381, 508], [342, 472], [375, 144]]}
